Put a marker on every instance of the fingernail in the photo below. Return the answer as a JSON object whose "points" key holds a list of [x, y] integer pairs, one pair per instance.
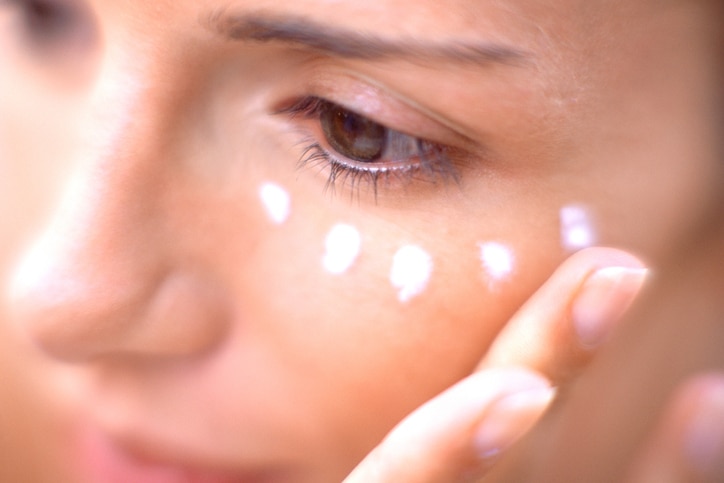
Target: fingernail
{"points": [[509, 419], [602, 300], [704, 437]]}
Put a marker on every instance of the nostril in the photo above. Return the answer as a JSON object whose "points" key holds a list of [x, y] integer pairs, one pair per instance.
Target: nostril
{"points": [[188, 315]]}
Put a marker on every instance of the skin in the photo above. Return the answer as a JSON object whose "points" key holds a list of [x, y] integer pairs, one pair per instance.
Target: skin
{"points": [[642, 438], [143, 283], [673, 382], [676, 379]]}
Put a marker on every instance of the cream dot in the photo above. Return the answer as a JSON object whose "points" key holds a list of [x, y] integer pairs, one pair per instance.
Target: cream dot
{"points": [[498, 260], [411, 271], [342, 247], [276, 201], [577, 229]]}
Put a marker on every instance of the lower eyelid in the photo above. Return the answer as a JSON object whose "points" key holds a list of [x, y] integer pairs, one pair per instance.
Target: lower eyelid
{"points": [[388, 175], [341, 174]]}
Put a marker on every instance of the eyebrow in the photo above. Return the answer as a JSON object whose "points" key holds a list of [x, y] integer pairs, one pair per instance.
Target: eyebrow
{"points": [[337, 42]]}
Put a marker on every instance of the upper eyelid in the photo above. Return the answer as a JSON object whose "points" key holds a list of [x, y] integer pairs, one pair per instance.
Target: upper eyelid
{"points": [[365, 96], [432, 132], [386, 95], [312, 105]]}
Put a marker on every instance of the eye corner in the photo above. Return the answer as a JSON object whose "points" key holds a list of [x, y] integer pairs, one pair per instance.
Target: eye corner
{"points": [[304, 106]]}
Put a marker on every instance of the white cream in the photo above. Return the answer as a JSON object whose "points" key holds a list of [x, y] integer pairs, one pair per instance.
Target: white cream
{"points": [[577, 229], [342, 247], [276, 201], [411, 271], [498, 260]]}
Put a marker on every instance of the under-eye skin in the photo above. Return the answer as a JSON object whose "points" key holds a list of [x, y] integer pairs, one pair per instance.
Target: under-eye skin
{"points": [[356, 150]]}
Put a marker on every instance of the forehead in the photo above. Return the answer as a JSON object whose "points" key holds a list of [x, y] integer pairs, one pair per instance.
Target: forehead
{"points": [[493, 19], [553, 32]]}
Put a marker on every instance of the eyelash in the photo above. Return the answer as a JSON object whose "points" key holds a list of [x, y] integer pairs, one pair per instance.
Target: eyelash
{"points": [[434, 161]]}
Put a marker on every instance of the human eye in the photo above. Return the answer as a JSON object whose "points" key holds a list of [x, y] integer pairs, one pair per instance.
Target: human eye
{"points": [[357, 151], [49, 26]]}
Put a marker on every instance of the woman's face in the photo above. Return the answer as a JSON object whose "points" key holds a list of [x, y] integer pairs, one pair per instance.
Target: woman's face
{"points": [[250, 236]]}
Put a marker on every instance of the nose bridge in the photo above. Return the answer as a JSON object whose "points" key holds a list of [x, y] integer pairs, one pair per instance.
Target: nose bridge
{"points": [[130, 111], [108, 204], [100, 268], [94, 266]]}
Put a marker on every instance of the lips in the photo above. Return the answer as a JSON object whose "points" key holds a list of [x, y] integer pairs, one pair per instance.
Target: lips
{"points": [[102, 460]]}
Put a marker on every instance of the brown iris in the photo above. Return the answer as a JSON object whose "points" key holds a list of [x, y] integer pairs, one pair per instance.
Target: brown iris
{"points": [[352, 135]]}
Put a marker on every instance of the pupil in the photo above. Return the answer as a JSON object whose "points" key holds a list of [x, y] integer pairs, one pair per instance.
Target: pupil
{"points": [[352, 135]]}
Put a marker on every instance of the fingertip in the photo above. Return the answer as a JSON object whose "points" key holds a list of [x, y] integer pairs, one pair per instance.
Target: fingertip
{"points": [[703, 437], [602, 300], [687, 442], [601, 256]]}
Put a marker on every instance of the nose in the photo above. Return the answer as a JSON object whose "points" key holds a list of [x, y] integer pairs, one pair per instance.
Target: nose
{"points": [[107, 276]]}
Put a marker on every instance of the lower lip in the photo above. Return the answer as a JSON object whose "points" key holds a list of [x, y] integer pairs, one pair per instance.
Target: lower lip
{"points": [[102, 461]]}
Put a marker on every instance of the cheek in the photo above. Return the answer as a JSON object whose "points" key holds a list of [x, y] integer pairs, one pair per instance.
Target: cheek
{"points": [[371, 317]]}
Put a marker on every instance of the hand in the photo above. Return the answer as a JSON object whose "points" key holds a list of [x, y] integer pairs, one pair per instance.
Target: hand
{"points": [[650, 406], [459, 435], [687, 444]]}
